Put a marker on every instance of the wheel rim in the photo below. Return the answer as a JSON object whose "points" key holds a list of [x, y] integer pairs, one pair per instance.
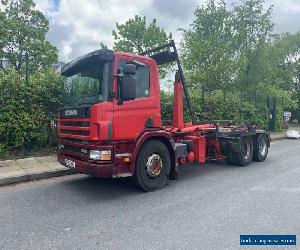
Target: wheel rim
{"points": [[262, 147], [154, 165], [246, 150]]}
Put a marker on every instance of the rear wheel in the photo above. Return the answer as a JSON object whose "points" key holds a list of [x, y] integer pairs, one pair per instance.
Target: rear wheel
{"points": [[153, 166], [244, 156], [230, 159], [260, 146]]}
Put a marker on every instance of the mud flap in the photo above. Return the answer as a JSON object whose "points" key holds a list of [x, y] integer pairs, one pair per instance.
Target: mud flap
{"points": [[174, 173]]}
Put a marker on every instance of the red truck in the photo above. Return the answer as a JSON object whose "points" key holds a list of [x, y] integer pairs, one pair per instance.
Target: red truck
{"points": [[111, 123]]}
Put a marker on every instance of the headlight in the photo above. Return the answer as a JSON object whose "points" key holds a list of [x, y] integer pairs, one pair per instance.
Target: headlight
{"points": [[102, 155]]}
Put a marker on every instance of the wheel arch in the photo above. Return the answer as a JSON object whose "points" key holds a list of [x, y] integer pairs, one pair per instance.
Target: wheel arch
{"points": [[166, 139]]}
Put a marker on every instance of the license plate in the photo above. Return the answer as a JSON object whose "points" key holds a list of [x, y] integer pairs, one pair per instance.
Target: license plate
{"points": [[69, 163]]}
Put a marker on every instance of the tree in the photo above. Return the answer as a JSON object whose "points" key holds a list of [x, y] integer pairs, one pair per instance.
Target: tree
{"points": [[23, 30], [103, 45], [285, 58], [227, 48], [207, 51], [253, 27], [136, 36]]}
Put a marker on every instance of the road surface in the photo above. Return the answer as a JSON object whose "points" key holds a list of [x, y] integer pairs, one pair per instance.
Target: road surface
{"points": [[208, 208]]}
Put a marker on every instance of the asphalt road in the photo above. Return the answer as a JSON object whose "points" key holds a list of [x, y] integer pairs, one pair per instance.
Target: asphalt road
{"points": [[208, 208]]}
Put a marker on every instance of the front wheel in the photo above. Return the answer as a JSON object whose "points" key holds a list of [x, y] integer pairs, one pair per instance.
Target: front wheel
{"points": [[153, 166]]}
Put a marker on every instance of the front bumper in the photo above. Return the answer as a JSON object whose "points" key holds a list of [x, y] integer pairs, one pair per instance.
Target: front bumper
{"points": [[85, 167]]}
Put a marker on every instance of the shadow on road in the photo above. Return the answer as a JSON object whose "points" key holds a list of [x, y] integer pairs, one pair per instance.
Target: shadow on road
{"points": [[109, 189], [102, 187]]}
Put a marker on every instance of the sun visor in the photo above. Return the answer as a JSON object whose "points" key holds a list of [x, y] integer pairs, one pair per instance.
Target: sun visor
{"points": [[86, 61]]}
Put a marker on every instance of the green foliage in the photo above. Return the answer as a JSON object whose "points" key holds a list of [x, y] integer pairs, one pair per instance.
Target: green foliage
{"points": [[23, 29], [252, 28], [135, 36], [207, 51], [217, 108], [221, 48], [166, 104], [103, 45], [17, 123]]}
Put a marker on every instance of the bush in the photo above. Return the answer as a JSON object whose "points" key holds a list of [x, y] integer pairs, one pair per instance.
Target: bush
{"points": [[18, 123], [166, 104], [216, 107]]}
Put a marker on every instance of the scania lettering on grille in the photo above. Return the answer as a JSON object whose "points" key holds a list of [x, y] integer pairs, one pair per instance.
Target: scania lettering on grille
{"points": [[70, 112]]}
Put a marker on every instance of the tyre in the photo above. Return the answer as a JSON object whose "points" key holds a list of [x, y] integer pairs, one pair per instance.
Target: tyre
{"points": [[152, 166], [260, 148], [230, 159], [244, 156]]}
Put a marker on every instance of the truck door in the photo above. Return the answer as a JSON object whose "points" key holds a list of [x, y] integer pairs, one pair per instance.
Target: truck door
{"points": [[131, 117]]}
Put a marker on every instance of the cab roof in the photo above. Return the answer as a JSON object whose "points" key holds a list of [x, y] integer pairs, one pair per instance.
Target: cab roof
{"points": [[103, 55]]}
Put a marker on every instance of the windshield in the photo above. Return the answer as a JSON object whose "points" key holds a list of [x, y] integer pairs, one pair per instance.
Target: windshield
{"points": [[88, 86]]}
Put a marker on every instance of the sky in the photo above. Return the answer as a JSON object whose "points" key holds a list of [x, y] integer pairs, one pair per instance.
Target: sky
{"points": [[78, 26]]}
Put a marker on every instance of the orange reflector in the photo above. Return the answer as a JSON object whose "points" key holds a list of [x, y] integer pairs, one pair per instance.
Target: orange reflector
{"points": [[126, 159]]}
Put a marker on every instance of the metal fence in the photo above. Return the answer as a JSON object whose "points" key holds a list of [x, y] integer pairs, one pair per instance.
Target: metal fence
{"points": [[272, 105]]}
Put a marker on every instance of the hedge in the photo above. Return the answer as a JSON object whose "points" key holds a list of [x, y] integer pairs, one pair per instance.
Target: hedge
{"points": [[216, 107], [18, 122]]}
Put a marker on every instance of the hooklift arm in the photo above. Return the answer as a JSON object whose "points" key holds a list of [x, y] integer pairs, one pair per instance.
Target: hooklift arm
{"points": [[167, 56]]}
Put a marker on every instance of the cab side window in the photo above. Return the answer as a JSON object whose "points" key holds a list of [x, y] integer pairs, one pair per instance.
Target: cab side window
{"points": [[142, 79]]}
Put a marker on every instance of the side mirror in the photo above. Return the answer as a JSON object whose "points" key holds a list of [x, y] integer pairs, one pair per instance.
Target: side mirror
{"points": [[127, 88]]}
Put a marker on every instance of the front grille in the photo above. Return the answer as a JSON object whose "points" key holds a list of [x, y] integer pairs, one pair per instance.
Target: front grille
{"points": [[74, 127], [75, 140], [75, 149], [75, 132], [75, 123]]}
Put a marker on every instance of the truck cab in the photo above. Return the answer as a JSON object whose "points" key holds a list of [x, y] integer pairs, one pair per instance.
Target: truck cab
{"points": [[97, 112]]}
